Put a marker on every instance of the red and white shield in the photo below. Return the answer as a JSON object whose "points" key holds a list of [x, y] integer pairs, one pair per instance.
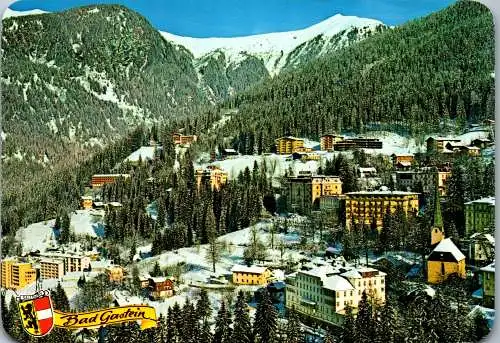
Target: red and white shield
{"points": [[37, 315]]}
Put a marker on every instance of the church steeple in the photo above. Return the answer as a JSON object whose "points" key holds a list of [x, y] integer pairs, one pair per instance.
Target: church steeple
{"points": [[438, 218], [437, 233]]}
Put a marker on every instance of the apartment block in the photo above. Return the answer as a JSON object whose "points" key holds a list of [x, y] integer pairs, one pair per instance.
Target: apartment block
{"points": [[17, 275], [304, 191], [489, 285], [212, 175], [180, 139], [100, 180], [289, 145], [479, 215], [328, 141], [51, 268], [322, 293], [365, 207], [426, 177], [72, 263]]}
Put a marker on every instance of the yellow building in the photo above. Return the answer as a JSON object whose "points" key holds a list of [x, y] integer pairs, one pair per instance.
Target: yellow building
{"points": [[328, 141], [289, 145], [86, 202], [443, 175], [115, 273], [445, 260], [213, 175], [305, 190], [16, 275], [310, 157], [364, 207], [243, 275], [51, 268]]}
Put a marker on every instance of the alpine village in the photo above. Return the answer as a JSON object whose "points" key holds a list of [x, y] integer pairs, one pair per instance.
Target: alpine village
{"points": [[346, 196]]}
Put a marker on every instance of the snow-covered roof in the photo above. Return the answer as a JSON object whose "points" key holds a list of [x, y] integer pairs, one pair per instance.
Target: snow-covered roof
{"points": [[403, 154], [405, 163], [489, 268], [447, 245], [291, 137], [337, 283], [251, 270], [87, 197], [158, 279], [111, 175], [352, 274], [488, 200], [488, 236], [51, 260], [367, 169], [229, 150]]}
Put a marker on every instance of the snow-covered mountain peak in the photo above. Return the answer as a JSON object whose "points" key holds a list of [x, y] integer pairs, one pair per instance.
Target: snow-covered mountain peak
{"points": [[274, 47]]}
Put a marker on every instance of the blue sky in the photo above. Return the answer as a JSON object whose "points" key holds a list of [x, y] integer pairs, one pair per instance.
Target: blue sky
{"points": [[229, 18]]}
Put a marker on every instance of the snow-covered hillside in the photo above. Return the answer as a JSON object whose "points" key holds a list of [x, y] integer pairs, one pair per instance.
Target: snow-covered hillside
{"points": [[274, 48], [11, 13]]}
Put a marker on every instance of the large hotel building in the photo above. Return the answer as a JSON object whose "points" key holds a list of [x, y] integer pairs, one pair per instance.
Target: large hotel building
{"points": [[305, 190], [323, 293], [365, 207], [16, 275]]}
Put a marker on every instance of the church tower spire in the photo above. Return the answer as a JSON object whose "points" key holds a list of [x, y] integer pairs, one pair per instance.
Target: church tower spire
{"points": [[437, 233]]}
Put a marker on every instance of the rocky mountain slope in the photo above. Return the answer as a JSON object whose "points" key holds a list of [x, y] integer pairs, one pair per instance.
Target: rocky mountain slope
{"points": [[229, 65]]}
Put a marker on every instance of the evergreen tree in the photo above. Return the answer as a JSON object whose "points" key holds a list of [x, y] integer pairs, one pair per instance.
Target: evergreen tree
{"points": [[133, 251], [214, 250], [349, 327], [480, 328], [265, 322], [203, 309], [242, 329], [60, 299], [205, 334], [156, 270], [293, 330], [364, 321], [65, 225], [223, 330]]}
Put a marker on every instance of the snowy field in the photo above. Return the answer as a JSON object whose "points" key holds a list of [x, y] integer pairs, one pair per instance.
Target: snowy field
{"points": [[40, 236], [199, 270]]}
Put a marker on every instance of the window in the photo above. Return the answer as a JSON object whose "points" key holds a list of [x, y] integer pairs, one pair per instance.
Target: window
{"points": [[442, 268]]}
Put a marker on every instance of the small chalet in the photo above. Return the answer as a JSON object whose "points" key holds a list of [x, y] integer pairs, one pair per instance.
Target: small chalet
{"points": [[161, 287], [402, 161], [228, 153]]}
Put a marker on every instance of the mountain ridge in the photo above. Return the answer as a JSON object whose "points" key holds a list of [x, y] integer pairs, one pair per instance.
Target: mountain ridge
{"points": [[274, 46]]}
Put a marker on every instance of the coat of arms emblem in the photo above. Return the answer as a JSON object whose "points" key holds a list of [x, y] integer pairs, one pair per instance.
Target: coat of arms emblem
{"points": [[36, 313]]}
